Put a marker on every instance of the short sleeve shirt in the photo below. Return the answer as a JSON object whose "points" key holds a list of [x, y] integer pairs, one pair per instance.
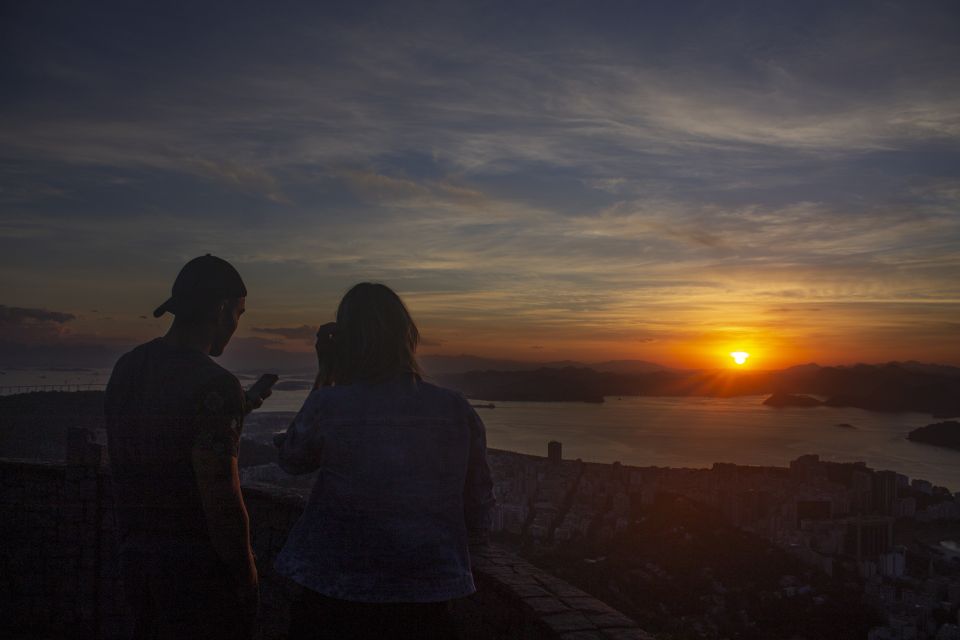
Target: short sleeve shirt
{"points": [[161, 401]]}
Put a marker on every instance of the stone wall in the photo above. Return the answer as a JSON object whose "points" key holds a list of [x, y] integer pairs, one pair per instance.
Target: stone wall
{"points": [[59, 575], [514, 599]]}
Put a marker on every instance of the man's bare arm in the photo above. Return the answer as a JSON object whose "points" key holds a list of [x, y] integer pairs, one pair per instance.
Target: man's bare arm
{"points": [[214, 459]]}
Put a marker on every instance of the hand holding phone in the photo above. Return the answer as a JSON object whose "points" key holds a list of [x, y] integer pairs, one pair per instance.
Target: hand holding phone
{"points": [[326, 335], [326, 342], [260, 390]]}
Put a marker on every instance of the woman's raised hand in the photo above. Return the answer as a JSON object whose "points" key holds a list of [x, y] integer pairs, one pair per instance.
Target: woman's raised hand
{"points": [[326, 335]]}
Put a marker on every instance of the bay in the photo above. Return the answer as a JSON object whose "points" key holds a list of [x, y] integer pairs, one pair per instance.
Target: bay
{"points": [[698, 431], [675, 431]]}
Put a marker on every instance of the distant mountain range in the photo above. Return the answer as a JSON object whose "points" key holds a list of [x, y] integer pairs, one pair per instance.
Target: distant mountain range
{"points": [[247, 358], [895, 386], [436, 365]]}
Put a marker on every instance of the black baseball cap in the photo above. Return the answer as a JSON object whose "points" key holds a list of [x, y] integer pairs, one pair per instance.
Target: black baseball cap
{"points": [[201, 281]]}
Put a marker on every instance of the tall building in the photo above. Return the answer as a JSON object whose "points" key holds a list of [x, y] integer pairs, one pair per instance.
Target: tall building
{"points": [[884, 492], [813, 510], [868, 537], [861, 491], [807, 468], [554, 451]]}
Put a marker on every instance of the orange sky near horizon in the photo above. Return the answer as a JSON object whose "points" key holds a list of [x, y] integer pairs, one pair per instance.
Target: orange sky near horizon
{"points": [[682, 330], [768, 348], [539, 183]]}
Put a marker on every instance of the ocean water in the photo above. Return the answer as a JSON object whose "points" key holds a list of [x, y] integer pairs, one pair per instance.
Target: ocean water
{"points": [[674, 432], [696, 432]]}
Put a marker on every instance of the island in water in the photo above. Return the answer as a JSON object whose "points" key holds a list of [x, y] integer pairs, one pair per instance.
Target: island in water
{"points": [[790, 400], [942, 434]]}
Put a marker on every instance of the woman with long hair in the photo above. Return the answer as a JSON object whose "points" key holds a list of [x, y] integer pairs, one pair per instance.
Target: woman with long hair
{"points": [[403, 489]]}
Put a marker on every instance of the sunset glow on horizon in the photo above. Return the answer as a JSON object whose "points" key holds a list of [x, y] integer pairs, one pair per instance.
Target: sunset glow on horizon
{"points": [[662, 183]]}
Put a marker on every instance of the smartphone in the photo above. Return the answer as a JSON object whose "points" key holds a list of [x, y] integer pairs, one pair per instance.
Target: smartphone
{"points": [[262, 385]]}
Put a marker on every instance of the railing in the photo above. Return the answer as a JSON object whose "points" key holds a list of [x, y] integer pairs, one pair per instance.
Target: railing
{"points": [[31, 388]]}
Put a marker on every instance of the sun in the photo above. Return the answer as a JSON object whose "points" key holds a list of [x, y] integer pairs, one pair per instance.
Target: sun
{"points": [[739, 357]]}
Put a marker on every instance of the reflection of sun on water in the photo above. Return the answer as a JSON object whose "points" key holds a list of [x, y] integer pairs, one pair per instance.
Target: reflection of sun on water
{"points": [[739, 356]]}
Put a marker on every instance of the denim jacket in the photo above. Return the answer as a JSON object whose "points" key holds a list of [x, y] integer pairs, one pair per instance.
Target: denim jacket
{"points": [[403, 488]]}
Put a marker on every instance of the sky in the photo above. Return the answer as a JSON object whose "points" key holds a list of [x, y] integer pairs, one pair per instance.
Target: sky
{"points": [[538, 180]]}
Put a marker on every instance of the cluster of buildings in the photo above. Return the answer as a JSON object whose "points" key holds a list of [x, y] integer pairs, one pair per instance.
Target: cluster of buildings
{"points": [[895, 537]]}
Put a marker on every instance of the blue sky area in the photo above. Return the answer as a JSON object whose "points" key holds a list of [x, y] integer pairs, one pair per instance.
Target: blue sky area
{"points": [[539, 180]]}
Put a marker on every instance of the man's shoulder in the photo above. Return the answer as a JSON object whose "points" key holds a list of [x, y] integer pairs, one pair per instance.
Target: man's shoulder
{"points": [[126, 370], [212, 374], [156, 362], [219, 391], [134, 356]]}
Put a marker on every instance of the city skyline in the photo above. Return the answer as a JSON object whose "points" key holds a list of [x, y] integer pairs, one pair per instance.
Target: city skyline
{"points": [[540, 183]]}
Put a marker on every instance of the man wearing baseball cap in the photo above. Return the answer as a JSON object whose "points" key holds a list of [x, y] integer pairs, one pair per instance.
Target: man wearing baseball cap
{"points": [[174, 418]]}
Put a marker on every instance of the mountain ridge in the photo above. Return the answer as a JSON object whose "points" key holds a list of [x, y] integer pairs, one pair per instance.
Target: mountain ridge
{"points": [[890, 387]]}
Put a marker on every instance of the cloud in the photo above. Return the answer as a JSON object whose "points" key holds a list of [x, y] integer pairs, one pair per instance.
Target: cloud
{"points": [[57, 354], [246, 178], [621, 171], [305, 333], [34, 337], [17, 316], [308, 335], [257, 355], [33, 326]]}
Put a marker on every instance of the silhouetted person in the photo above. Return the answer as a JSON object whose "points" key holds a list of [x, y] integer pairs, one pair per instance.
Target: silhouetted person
{"points": [[404, 485], [173, 426]]}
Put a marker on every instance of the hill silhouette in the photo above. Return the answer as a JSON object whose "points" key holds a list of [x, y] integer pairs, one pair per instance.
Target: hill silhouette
{"points": [[942, 434], [437, 365], [933, 389]]}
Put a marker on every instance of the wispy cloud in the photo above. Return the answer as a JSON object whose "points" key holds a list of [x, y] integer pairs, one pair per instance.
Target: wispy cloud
{"points": [[653, 183], [303, 333], [17, 317]]}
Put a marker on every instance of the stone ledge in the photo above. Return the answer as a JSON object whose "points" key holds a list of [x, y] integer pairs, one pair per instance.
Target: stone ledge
{"points": [[627, 634], [568, 621], [515, 599], [554, 607], [545, 605]]}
